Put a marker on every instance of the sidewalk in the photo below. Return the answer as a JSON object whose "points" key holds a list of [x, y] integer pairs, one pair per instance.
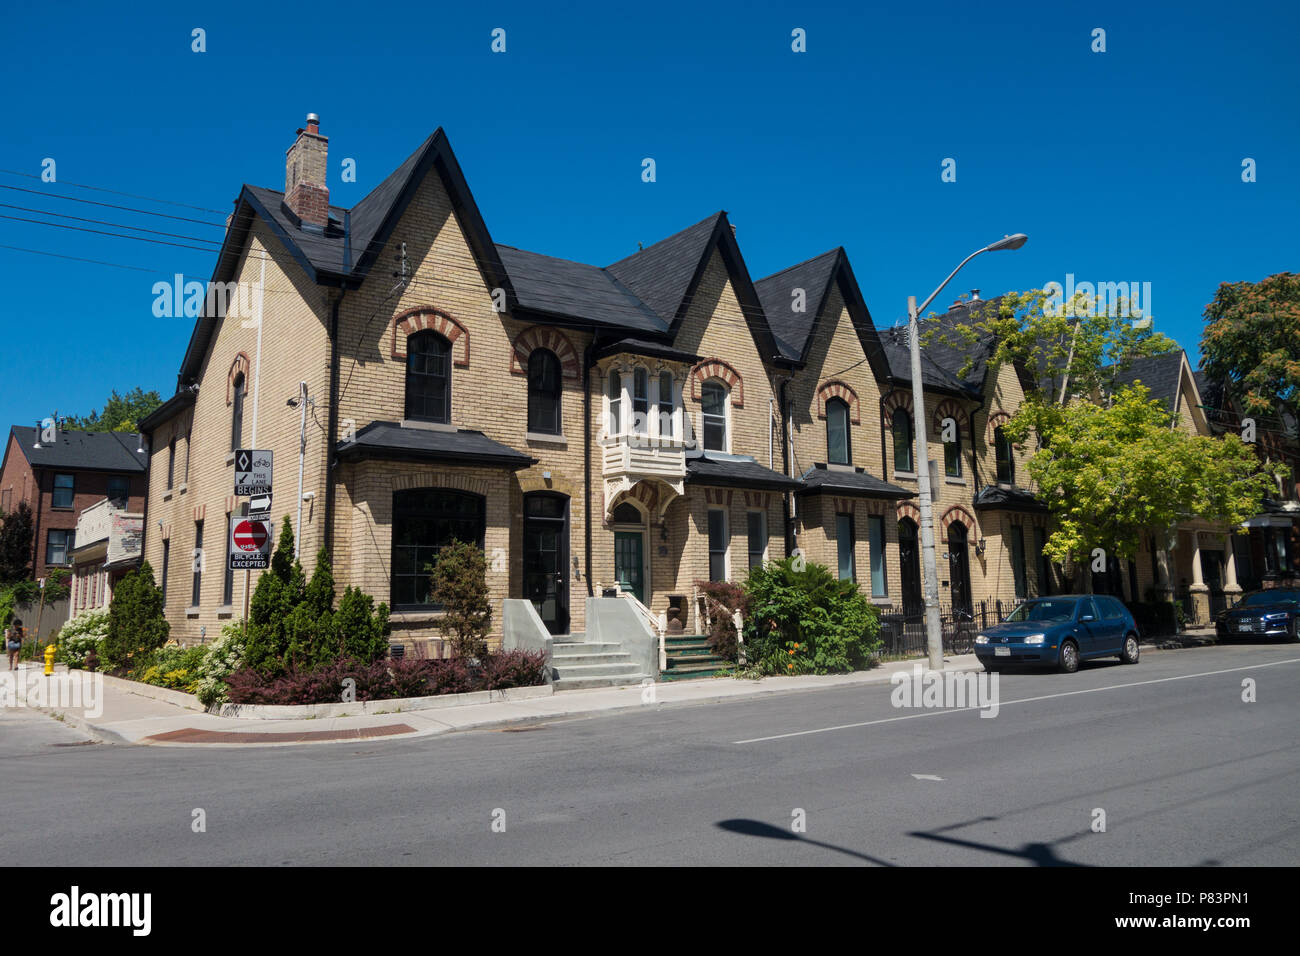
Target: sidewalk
{"points": [[129, 718]]}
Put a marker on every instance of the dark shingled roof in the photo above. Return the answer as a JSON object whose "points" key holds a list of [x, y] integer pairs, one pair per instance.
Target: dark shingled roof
{"points": [[942, 353], [643, 347], [561, 287], [661, 275], [92, 451], [1159, 373], [735, 471], [793, 329], [1007, 499], [389, 440], [819, 479]]}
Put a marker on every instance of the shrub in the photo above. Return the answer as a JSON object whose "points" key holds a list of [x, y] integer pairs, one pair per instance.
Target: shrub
{"points": [[722, 631], [808, 620], [225, 656], [362, 629], [459, 584], [319, 685], [279, 590], [172, 666], [451, 676], [136, 625], [79, 637], [516, 668]]}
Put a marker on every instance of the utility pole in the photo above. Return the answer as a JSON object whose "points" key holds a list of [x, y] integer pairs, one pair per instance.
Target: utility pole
{"points": [[933, 626]]}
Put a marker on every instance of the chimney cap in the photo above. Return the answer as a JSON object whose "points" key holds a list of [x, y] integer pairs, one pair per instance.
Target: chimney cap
{"points": [[313, 118], [974, 295]]}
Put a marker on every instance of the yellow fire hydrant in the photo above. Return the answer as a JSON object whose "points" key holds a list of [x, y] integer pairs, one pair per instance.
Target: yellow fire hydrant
{"points": [[49, 659]]}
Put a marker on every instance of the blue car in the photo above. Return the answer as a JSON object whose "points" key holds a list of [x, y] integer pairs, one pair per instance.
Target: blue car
{"points": [[1060, 632]]}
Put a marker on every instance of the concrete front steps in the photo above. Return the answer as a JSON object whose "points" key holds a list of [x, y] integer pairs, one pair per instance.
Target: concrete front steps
{"points": [[690, 656], [577, 663]]}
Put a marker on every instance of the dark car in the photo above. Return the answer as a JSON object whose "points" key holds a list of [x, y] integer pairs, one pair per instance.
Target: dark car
{"points": [[1274, 612], [1060, 632]]}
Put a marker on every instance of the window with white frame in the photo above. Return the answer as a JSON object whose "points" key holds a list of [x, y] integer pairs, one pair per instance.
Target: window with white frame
{"points": [[667, 428], [713, 399], [614, 395]]}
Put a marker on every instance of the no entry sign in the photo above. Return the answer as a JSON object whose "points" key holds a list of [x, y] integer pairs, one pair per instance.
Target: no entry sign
{"points": [[250, 544]]}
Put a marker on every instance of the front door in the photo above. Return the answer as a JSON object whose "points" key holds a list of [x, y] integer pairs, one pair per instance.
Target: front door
{"points": [[629, 566], [909, 559], [546, 558], [959, 567]]}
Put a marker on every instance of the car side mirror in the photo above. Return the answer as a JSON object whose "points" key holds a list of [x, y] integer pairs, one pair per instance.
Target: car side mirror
{"points": [[1085, 618]]}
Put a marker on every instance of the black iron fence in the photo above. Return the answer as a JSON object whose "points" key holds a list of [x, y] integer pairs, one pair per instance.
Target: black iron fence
{"points": [[902, 627]]}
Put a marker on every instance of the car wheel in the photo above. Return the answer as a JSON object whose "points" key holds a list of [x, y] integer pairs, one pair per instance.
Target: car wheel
{"points": [[1130, 653], [1068, 662]]}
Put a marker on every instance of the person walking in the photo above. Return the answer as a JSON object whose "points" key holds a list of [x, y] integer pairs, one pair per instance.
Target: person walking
{"points": [[14, 641]]}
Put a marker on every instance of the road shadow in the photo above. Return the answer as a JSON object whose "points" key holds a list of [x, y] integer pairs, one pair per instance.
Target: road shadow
{"points": [[757, 828]]}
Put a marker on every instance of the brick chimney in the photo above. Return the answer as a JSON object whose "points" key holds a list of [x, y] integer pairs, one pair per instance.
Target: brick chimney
{"points": [[305, 191]]}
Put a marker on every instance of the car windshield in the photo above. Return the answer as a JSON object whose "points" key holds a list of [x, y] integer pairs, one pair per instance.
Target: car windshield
{"points": [[1042, 611], [1270, 597]]}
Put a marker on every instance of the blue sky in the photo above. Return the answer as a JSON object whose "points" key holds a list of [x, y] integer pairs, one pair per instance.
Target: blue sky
{"points": [[1120, 166]]}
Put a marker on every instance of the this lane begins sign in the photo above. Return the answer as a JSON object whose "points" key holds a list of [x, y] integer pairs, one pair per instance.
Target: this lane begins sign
{"points": [[250, 544], [253, 471]]}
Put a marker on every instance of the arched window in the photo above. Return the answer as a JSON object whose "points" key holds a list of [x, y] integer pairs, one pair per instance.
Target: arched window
{"points": [[615, 393], [424, 521], [713, 398], [902, 441], [1006, 464], [543, 392], [952, 455], [237, 413], [428, 377], [627, 513], [838, 448]]}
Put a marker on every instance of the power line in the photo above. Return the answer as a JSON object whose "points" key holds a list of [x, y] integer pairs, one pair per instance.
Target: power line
{"points": [[109, 205], [116, 192], [101, 232], [106, 222], [98, 262]]}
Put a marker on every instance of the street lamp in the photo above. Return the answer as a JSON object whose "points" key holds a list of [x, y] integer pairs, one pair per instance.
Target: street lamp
{"points": [[933, 631]]}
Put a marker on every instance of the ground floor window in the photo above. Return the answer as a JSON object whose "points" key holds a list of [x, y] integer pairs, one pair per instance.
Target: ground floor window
{"points": [[1017, 537], [844, 545], [425, 520], [876, 529], [757, 538], [717, 545]]}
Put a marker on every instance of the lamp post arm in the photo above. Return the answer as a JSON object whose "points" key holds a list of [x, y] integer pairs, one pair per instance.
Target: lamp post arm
{"points": [[924, 305]]}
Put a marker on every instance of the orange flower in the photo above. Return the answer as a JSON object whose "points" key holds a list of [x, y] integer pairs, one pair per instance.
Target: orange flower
{"points": [[792, 650]]}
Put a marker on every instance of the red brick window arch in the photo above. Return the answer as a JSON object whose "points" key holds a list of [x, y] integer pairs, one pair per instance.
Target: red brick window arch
{"points": [[957, 515], [895, 400], [837, 389], [406, 324], [541, 337], [717, 368]]}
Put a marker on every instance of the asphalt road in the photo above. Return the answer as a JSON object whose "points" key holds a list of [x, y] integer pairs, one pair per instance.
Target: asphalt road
{"points": [[1186, 772]]}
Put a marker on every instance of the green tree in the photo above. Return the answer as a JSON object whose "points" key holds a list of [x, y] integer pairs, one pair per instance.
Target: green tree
{"points": [[1111, 473], [362, 629], [136, 624], [459, 584], [122, 413], [16, 543], [279, 590], [1252, 343]]}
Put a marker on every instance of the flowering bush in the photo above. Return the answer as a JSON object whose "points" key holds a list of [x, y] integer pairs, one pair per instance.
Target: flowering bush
{"points": [[79, 637], [225, 656], [171, 666]]}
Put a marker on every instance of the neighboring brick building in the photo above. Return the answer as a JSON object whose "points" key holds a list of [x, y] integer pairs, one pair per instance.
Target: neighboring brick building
{"points": [[62, 477], [645, 425]]}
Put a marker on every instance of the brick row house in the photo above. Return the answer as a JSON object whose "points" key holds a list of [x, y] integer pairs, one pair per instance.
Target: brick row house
{"points": [[639, 426], [62, 473]]}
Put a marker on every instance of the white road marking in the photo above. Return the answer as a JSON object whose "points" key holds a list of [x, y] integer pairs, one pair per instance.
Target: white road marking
{"points": [[1022, 700], [926, 776]]}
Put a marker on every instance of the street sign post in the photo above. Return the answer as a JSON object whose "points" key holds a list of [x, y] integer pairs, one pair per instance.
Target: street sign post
{"points": [[253, 471], [250, 544]]}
